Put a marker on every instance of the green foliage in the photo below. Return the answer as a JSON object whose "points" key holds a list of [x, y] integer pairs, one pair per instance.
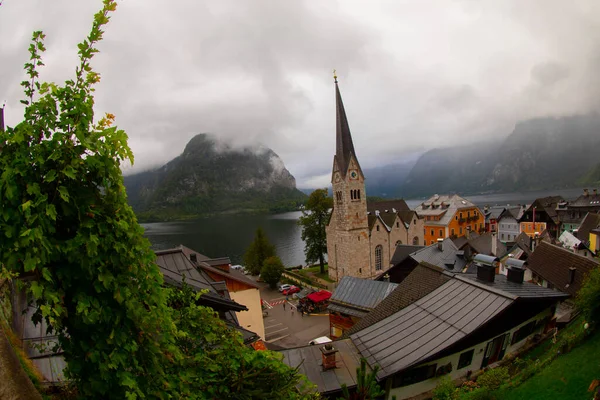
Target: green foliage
{"points": [[366, 384], [493, 378], [588, 297], [313, 221], [258, 251], [215, 363], [445, 390], [272, 270], [477, 394], [65, 223]]}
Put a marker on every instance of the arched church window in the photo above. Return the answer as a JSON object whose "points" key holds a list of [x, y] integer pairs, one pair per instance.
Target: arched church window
{"points": [[399, 242], [352, 195], [358, 191], [378, 257], [415, 241]]}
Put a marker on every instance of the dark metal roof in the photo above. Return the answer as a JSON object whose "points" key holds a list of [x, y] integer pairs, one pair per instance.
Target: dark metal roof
{"points": [[505, 287], [389, 205], [590, 221], [344, 148], [423, 280], [589, 200], [217, 261], [552, 263], [308, 359], [448, 256], [429, 325], [402, 252], [483, 244], [356, 296]]}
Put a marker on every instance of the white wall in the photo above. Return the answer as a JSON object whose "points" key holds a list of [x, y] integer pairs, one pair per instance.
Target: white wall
{"points": [[425, 386]]}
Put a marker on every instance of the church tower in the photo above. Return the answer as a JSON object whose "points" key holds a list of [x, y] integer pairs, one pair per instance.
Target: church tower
{"points": [[348, 230]]}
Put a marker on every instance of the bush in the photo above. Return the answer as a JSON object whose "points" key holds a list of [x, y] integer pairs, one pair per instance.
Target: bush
{"points": [[493, 378], [477, 394], [445, 390]]}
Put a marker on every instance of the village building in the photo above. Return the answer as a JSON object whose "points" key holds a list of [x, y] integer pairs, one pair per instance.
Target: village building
{"points": [[571, 213], [491, 215], [541, 216], [571, 243], [361, 243], [449, 216], [508, 224], [451, 326], [553, 267], [240, 288], [352, 300], [487, 243]]}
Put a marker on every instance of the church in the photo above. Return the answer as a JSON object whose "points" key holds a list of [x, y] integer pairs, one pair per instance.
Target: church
{"points": [[362, 236]]}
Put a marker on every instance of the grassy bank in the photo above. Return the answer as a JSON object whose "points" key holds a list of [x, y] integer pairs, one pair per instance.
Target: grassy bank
{"points": [[316, 271]]}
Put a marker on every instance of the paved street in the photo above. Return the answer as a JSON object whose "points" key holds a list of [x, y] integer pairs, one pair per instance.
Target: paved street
{"points": [[284, 326]]}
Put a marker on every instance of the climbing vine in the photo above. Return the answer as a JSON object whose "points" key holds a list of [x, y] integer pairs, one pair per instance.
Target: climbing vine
{"points": [[66, 228]]}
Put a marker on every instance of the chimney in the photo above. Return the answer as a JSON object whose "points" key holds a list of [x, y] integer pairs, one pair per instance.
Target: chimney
{"points": [[193, 257], [328, 356], [440, 244], [586, 192], [494, 244], [486, 273], [515, 274], [572, 271]]}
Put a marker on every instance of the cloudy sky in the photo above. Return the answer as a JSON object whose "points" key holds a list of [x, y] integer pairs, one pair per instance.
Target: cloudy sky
{"points": [[413, 74]]}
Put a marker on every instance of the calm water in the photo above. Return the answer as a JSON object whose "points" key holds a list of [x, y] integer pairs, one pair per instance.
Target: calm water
{"points": [[230, 235]]}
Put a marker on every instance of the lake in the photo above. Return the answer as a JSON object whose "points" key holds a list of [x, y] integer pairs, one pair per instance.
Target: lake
{"points": [[230, 235]]}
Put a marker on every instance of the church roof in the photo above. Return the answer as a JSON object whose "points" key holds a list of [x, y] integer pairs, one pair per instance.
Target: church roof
{"points": [[389, 205], [344, 148]]}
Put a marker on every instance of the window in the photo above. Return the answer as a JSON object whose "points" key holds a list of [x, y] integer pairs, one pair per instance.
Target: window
{"points": [[452, 231], [432, 242], [352, 195], [397, 224], [415, 241], [377, 227], [460, 215], [523, 332], [432, 232], [460, 230], [456, 217], [358, 193], [378, 257], [399, 242], [441, 233], [414, 375], [503, 236], [465, 359], [468, 214]]}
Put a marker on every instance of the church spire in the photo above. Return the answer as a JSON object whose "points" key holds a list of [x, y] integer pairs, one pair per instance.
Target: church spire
{"points": [[344, 147]]}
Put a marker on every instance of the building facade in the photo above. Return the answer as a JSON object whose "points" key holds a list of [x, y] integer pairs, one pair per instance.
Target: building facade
{"points": [[359, 243], [449, 216], [508, 224]]}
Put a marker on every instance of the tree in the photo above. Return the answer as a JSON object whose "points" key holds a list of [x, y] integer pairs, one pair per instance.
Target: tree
{"points": [[272, 270], [588, 297], [67, 226], [258, 251], [366, 384], [313, 221]]}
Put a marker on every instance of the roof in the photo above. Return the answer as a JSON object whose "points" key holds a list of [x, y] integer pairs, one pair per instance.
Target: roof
{"points": [[523, 290], [319, 296], [424, 279], [213, 262], [305, 292], [445, 205], [552, 263], [174, 266], [308, 360], [402, 252], [344, 148], [356, 296], [569, 241], [483, 244], [443, 259], [389, 205], [589, 222], [511, 212], [547, 204], [429, 325], [589, 200], [523, 241], [493, 212], [204, 262]]}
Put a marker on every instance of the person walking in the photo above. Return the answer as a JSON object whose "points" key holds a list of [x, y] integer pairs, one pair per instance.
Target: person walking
{"points": [[284, 305], [292, 308]]}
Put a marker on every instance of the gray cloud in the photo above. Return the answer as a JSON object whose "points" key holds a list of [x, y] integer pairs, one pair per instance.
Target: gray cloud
{"points": [[413, 75]]}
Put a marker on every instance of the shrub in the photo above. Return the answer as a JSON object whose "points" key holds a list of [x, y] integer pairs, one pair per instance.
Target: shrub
{"points": [[493, 378], [477, 394], [445, 390]]}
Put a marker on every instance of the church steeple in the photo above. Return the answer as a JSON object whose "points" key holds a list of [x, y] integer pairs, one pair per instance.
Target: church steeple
{"points": [[344, 147]]}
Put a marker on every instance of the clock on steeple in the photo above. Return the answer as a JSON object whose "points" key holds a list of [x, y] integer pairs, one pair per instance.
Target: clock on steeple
{"points": [[353, 174]]}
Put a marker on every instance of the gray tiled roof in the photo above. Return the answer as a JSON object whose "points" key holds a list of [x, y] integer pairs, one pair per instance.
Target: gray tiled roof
{"points": [[420, 282], [523, 290], [429, 325], [591, 200], [432, 255], [483, 244], [356, 296], [308, 359]]}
